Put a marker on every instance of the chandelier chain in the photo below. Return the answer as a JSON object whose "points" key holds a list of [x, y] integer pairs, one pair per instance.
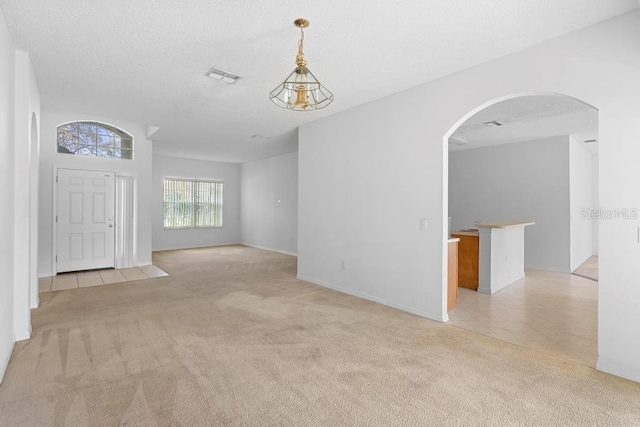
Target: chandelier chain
{"points": [[300, 56]]}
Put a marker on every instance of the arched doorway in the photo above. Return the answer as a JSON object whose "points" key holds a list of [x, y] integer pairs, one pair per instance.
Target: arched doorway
{"points": [[527, 158]]}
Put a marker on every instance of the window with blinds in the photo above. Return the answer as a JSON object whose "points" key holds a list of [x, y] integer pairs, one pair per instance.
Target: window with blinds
{"points": [[192, 203]]}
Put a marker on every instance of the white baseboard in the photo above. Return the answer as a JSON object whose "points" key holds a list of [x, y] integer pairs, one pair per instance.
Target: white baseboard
{"points": [[21, 336], [270, 249], [37, 302], [613, 368], [196, 247], [4, 362], [421, 313], [43, 275]]}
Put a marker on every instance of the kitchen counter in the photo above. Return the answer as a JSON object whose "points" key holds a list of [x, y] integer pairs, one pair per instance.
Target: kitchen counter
{"points": [[491, 256], [466, 232], [503, 224], [501, 254]]}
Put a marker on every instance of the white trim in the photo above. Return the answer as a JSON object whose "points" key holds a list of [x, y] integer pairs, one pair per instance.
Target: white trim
{"points": [[46, 275], [146, 264], [21, 336], [36, 303], [613, 368], [5, 362], [54, 227], [194, 247], [124, 212], [421, 313], [270, 249], [54, 236]]}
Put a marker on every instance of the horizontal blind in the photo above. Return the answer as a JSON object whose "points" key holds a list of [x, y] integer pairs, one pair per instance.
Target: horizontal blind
{"points": [[192, 203]]}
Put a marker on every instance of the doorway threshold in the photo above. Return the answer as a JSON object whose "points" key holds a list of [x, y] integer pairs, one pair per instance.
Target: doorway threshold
{"points": [[84, 279]]}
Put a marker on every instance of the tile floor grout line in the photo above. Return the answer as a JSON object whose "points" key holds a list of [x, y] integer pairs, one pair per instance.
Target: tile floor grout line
{"points": [[158, 273]]}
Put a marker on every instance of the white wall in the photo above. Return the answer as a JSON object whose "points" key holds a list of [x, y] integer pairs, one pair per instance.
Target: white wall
{"points": [[270, 203], [19, 116], [368, 175], [525, 181], [139, 167], [581, 197], [26, 155], [595, 198], [7, 189], [366, 178], [173, 167]]}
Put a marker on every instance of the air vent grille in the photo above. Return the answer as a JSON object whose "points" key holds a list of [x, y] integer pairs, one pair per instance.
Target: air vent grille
{"points": [[225, 76]]}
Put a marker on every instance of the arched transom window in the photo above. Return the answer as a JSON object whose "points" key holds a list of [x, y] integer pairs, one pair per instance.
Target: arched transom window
{"points": [[94, 139]]}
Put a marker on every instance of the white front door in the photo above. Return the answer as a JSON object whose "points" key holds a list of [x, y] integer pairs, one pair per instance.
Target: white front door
{"points": [[86, 208]]}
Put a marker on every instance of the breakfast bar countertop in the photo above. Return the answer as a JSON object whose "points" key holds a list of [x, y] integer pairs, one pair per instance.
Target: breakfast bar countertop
{"points": [[465, 232], [503, 224]]}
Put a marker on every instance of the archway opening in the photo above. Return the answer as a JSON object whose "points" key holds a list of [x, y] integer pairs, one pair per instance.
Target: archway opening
{"points": [[525, 159]]}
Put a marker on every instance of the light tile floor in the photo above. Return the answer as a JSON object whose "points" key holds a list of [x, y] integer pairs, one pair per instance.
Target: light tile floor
{"points": [[589, 269], [550, 312], [98, 277]]}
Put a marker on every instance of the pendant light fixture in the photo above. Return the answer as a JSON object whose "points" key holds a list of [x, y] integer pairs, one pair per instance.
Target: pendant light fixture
{"points": [[301, 91]]}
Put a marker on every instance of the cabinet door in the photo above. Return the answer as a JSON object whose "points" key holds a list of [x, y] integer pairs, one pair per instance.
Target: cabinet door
{"points": [[452, 294], [468, 259]]}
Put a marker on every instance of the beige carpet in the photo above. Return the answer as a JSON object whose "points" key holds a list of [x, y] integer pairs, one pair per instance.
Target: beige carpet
{"points": [[232, 338], [589, 269]]}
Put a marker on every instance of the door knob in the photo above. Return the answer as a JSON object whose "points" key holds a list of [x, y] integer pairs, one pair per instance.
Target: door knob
{"points": [[110, 225]]}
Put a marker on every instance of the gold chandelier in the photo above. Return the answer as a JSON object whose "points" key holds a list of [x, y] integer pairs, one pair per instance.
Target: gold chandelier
{"points": [[301, 91]]}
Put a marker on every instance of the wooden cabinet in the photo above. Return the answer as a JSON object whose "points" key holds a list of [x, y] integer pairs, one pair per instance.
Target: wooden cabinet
{"points": [[468, 259], [452, 260]]}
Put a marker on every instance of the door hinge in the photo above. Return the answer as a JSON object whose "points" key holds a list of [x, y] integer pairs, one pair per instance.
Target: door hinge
{"points": [[56, 218], [56, 178], [56, 258]]}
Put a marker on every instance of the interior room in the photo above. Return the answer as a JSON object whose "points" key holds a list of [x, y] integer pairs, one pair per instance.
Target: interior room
{"points": [[528, 164], [210, 219]]}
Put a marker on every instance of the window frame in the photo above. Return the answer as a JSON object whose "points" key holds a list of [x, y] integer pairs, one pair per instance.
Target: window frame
{"points": [[109, 127], [193, 202]]}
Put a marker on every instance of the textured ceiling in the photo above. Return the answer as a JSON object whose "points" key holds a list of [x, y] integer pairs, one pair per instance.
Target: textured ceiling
{"points": [[144, 61], [527, 118]]}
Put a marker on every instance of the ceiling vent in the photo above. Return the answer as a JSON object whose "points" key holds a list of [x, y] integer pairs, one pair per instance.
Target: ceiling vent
{"points": [[493, 123], [225, 76], [260, 137], [589, 141]]}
